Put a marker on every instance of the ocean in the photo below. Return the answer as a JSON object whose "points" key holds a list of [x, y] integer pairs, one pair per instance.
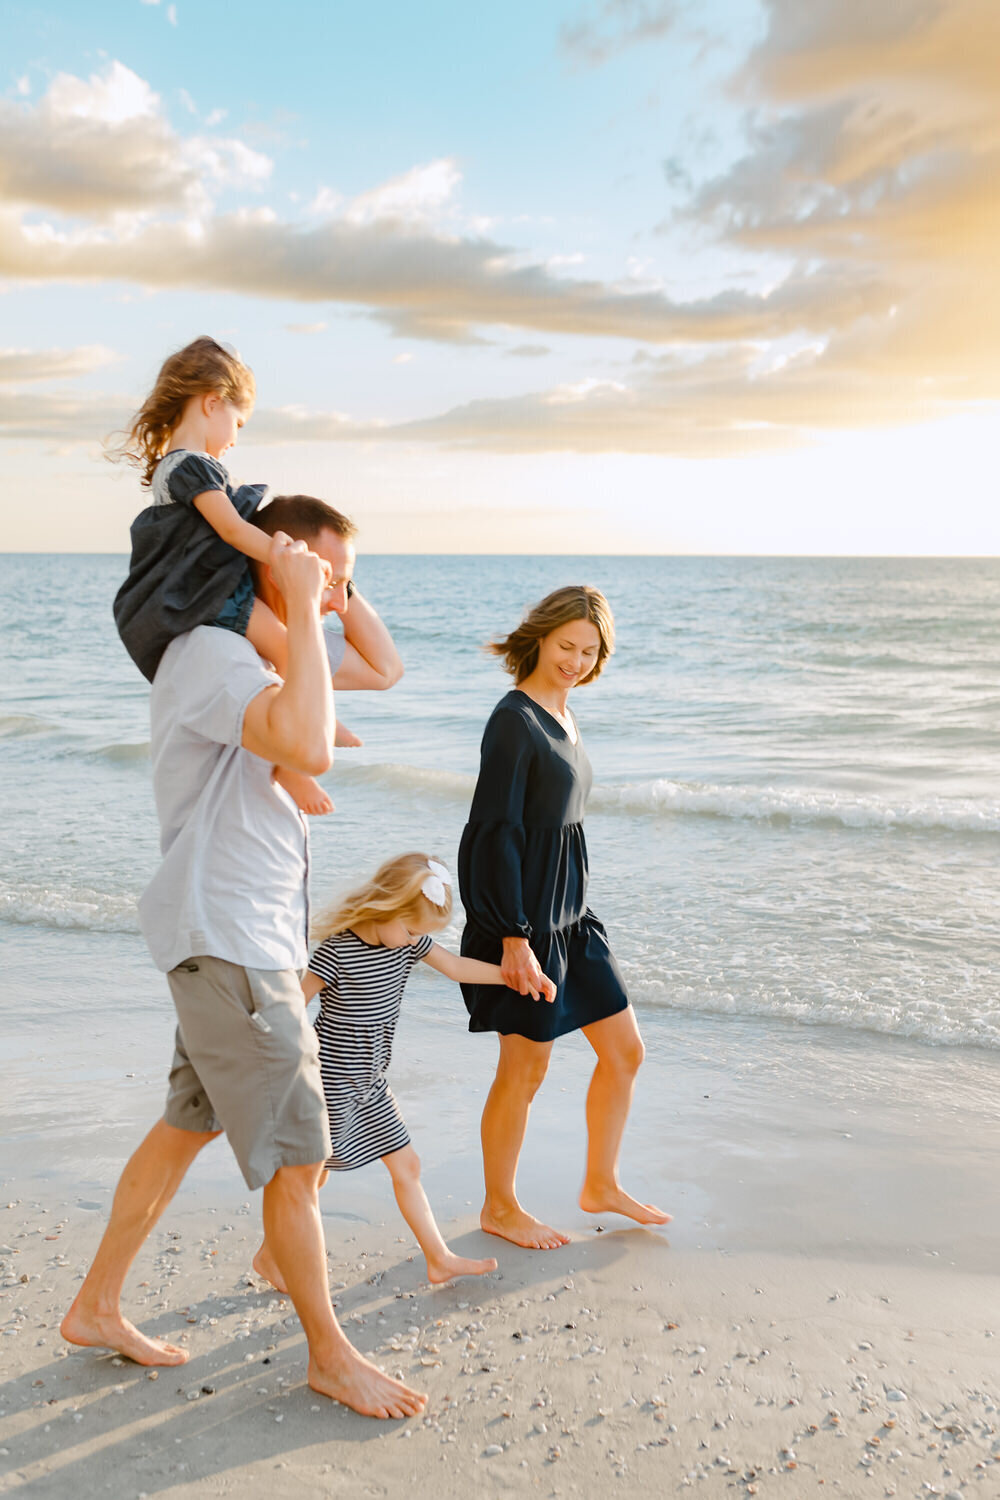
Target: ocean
{"points": [[795, 811]]}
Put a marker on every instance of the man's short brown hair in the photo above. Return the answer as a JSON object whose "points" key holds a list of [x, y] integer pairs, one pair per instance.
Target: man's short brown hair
{"points": [[303, 517]]}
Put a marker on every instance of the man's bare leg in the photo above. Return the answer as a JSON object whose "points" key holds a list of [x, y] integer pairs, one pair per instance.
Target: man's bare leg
{"points": [[293, 1231], [150, 1179]]}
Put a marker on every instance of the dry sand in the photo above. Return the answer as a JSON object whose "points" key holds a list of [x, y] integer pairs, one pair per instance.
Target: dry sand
{"points": [[819, 1317], [617, 1365]]}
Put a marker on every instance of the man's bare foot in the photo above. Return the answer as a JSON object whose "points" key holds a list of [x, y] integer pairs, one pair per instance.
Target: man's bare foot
{"points": [[266, 1266], [615, 1200], [305, 792], [522, 1229], [111, 1331], [450, 1266], [346, 739], [364, 1388]]}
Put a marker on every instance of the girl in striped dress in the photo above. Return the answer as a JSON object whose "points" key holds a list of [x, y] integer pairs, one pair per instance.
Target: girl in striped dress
{"points": [[370, 942]]}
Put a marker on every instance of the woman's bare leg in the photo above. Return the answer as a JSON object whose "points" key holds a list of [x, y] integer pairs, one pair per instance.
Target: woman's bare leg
{"points": [[620, 1052], [522, 1066], [149, 1180]]}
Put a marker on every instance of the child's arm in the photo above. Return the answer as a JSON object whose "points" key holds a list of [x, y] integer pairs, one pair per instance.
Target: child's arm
{"points": [[311, 985], [473, 971], [223, 517]]}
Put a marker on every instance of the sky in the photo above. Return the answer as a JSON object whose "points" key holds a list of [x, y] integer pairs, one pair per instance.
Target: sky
{"points": [[623, 276]]}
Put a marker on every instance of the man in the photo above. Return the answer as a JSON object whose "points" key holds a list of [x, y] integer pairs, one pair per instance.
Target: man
{"points": [[226, 916]]}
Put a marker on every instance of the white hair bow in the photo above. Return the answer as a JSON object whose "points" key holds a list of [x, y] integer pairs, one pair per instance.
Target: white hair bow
{"points": [[434, 883]]}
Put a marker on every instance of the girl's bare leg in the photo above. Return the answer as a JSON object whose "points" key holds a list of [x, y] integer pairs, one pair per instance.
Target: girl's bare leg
{"points": [[442, 1264], [619, 1049], [150, 1179], [264, 1262], [520, 1070]]}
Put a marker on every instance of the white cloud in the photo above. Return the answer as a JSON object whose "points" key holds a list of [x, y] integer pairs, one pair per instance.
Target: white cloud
{"points": [[306, 327], [103, 146], [613, 25], [23, 85], [414, 197], [18, 366], [172, 14]]}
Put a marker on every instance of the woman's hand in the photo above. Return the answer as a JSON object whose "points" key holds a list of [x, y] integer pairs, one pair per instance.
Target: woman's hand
{"points": [[522, 971]]}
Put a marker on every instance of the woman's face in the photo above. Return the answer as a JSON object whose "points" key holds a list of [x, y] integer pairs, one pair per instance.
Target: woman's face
{"points": [[568, 654]]}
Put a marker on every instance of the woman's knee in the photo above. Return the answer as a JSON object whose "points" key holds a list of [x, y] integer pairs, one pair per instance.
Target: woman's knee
{"points": [[523, 1074]]}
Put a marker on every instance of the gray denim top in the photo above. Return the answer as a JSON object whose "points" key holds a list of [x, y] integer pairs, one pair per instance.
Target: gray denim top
{"points": [[233, 880]]}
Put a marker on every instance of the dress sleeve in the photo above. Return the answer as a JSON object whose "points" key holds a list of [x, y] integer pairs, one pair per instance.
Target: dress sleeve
{"points": [[323, 963], [492, 852], [193, 476], [421, 948]]}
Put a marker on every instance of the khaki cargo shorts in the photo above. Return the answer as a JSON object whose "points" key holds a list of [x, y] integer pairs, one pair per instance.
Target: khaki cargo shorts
{"points": [[247, 1062]]}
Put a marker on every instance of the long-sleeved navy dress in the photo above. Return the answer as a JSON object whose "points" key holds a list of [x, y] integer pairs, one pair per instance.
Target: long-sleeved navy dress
{"points": [[522, 870]]}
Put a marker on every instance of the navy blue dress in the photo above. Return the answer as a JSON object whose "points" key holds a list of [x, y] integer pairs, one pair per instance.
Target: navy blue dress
{"points": [[522, 871], [182, 573]]}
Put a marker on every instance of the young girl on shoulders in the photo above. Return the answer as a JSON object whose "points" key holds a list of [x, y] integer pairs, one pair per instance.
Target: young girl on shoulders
{"points": [[370, 943], [191, 548]]}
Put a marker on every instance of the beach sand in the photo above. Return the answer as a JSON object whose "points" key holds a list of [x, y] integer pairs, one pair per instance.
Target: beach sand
{"points": [[819, 1317]]}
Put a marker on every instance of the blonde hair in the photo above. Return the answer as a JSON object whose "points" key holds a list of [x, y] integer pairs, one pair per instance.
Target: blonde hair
{"points": [[393, 894], [578, 601], [201, 368]]}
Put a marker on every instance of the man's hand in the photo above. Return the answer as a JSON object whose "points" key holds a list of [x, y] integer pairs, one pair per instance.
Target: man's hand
{"points": [[298, 573], [522, 971]]}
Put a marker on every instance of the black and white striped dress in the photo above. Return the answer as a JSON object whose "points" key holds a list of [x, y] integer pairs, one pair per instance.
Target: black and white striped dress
{"points": [[359, 1007]]}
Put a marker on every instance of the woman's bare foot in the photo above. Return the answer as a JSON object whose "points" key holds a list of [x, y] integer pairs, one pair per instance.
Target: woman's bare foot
{"points": [[94, 1330], [449, 1266], [305, 792], [346, 739], [266, 1266], [521, 1229], [363, 1387], [615, 1200]]}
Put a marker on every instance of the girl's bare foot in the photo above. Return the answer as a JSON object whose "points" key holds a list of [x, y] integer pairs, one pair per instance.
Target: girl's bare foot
{"points": [[363, 1387], [615, 1200], [305, 792], [521, 1229], [95, 1330], [346, 739], [266, 1266], [449, 1266]]}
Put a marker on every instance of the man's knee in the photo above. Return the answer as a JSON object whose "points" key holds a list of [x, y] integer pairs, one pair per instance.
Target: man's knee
{"points": [[297, 1181]]}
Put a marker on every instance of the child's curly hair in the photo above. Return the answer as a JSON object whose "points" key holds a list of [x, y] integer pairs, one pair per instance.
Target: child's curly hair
{"points": [[201, 368]]}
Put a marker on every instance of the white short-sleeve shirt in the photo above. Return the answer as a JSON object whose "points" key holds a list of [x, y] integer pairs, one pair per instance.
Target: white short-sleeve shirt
{"points": [[232, 883]]}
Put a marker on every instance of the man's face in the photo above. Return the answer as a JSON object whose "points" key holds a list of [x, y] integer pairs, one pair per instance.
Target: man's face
{"points": [[339, 552]]}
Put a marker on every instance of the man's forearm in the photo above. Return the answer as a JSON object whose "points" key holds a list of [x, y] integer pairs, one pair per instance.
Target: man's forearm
{"points": [[301, 714], [368, 634]]}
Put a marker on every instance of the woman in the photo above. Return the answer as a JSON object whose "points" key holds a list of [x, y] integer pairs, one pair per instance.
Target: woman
{"points": [[523, 877]]}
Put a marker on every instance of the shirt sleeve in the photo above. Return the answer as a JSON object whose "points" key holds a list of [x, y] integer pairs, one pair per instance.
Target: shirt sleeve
{"points": [[220, 680], [422, 947], [194, 475], [323, 963], [493, 844]]}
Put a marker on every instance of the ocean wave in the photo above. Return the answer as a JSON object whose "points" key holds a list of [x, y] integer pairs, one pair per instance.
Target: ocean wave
{"points": [[662, 798], [927, 1021], [123, 754], [451, 786], [83, 909], [22, 726]]}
